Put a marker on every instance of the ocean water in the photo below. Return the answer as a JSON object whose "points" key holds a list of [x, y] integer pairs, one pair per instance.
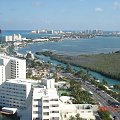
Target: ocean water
{"points": [[68, 46], [77, 47], [24, 33], [72, 47]]}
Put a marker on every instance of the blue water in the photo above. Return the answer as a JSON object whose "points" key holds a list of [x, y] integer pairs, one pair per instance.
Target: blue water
{"points": [[93, 74], [77, 47], [25, 33], [72, 47]]}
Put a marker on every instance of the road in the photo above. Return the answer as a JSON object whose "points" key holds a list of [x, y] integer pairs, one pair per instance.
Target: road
{"points": [[100, 96]]}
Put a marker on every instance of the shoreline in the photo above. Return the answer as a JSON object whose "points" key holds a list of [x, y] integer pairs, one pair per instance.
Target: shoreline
{"points": [[99, 72], [57, 58]]}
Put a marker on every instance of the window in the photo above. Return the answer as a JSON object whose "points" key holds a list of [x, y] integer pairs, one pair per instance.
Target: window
{"points": [[55, 118], [54, 111], [35, 112], [37, 119], [55, 105], [36, 99], [89, 111], [36, 106], [46, 101], [45, 113], [45, 107], [54, 100]]}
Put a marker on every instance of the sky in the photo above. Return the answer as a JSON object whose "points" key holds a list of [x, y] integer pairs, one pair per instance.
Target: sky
{"points": [[60, 14]]}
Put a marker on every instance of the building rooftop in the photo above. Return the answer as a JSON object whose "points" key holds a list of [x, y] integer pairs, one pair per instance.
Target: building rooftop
{"points": [[21, 81], [70, 107], [9, 57]]}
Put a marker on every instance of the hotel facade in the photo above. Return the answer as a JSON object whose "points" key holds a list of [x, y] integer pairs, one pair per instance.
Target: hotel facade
{"points": [[35, 100], [12, 68]]}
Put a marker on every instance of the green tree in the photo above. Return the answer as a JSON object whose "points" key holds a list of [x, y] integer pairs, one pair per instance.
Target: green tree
{"points": [[80, 73], [87, 71], [104, 82], [78, 116], [85, 77], [68, 68], [105, 115], [55, 77], [29, 74], [117, 87], [64, 94], [71, 118]]}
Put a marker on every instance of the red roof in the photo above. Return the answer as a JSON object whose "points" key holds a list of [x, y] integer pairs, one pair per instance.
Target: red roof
{"points": [[104, 108]]}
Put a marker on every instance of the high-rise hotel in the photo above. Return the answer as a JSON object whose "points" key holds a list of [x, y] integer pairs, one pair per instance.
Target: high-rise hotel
{"points": [[35, 100], [11, 68]]}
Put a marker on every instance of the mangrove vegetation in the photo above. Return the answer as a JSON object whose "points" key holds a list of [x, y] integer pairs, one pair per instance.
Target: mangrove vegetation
{"points": [[106, 64]]}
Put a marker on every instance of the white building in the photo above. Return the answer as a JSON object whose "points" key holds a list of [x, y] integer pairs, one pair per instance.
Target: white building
{"points": [[84, 110], [40, 101], [15, 93], [11, 68], [8, 38], [2, 73], [13, 37], [16, 37], [45, 101], [49, 83]]}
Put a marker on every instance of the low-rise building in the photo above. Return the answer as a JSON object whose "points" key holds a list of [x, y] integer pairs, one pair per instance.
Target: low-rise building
{"points": [[84, 110]]}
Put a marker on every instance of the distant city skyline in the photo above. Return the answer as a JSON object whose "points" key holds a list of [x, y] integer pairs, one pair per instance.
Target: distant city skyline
{"points": [[60, 14]]}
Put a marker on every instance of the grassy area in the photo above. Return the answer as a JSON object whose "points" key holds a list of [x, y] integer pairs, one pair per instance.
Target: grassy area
{"points": [[106, 64]]}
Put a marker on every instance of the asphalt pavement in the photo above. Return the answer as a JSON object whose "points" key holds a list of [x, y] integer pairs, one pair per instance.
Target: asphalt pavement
{"points": [[102, 98], [99, 96]]}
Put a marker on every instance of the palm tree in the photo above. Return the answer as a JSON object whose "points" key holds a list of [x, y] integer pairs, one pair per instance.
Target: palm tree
{"points": [[87, 71], [104, 82], [86, 77], [68, 68], [71, 118]]}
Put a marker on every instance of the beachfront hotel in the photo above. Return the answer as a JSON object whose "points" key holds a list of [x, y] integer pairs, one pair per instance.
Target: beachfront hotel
{"points": [[48, 105], [45, 102], [40, 101], [11, 68], [13, 37], [35, 100]]}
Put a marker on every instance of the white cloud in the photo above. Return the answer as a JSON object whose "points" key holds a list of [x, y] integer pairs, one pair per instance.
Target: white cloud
{"points": [[98, 9], [116, 5]]}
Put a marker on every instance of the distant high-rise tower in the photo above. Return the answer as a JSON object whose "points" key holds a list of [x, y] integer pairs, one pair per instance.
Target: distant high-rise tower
{"points": [[0, 31]]}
